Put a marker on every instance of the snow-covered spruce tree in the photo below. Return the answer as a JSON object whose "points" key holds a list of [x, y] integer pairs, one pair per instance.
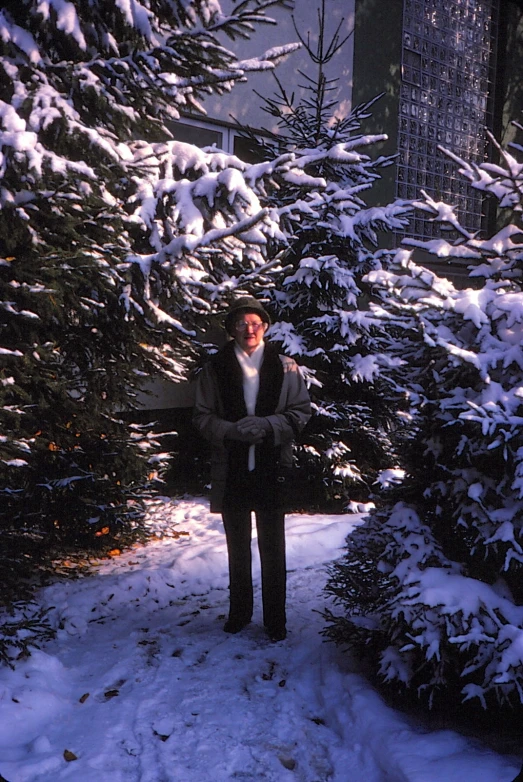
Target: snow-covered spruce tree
{"points": [[85, 88], [321, 304], [432, 585]]}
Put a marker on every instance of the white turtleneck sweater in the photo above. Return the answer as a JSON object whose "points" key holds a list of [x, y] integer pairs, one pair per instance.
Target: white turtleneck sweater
{"points": [[250, 366]]}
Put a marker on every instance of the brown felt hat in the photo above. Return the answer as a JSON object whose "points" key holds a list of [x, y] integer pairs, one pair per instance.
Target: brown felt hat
{"points": [[245, 304]]}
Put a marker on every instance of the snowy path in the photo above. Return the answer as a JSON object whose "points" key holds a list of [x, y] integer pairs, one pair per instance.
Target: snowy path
{"points": [[142, 684]]}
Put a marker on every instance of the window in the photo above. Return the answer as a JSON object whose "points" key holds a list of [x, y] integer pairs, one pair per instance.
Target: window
{"points": [[446, 96], [206, 134], [200, 135]]}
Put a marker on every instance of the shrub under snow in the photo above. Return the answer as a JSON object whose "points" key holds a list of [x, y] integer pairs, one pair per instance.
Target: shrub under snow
{"points": [[434, 585]]}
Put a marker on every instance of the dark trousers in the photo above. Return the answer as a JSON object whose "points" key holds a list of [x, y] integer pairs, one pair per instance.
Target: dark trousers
{"points": [[243, 495]]}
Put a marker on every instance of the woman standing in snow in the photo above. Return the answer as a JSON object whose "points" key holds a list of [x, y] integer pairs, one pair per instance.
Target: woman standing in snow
{"points": [[251, 403]]}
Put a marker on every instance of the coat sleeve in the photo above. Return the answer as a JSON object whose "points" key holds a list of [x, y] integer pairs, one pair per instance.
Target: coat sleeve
{"points": [[294, 408], [207, 414]]}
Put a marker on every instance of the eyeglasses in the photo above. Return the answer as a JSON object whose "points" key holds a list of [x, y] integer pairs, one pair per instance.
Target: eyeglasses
{"points": [[242, 326]]}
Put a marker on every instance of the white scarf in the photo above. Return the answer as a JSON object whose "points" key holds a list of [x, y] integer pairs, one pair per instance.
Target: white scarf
{"points": [[250, 366]]}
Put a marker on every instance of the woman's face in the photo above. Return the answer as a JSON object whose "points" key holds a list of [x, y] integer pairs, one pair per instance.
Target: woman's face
{"points": [[249, 330]]}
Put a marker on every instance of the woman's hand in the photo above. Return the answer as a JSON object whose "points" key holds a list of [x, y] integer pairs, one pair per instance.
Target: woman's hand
{"points": [[251, 429]]}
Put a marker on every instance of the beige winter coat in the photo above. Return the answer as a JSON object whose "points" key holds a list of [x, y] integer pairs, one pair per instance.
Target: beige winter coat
{"points": [[292, 412]]}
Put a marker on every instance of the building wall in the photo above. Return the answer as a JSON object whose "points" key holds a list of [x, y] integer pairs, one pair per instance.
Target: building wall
{"points": [[377, 69], [449, 69], [510, 102], [436, 65], [243, 104]]}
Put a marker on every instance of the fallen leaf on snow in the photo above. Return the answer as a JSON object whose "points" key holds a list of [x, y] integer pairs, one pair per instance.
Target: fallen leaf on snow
{"points": [[288, 763]]}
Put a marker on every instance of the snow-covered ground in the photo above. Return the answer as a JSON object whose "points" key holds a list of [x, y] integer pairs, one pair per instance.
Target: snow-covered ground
{"points": [[142, 684]]}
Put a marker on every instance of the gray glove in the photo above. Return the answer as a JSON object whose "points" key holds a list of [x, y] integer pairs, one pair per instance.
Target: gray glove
{"points": [[247, 430], [254, 423]]}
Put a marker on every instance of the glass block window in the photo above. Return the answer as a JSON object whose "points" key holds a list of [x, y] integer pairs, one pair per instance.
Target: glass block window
{"points": [[446, 95]]}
